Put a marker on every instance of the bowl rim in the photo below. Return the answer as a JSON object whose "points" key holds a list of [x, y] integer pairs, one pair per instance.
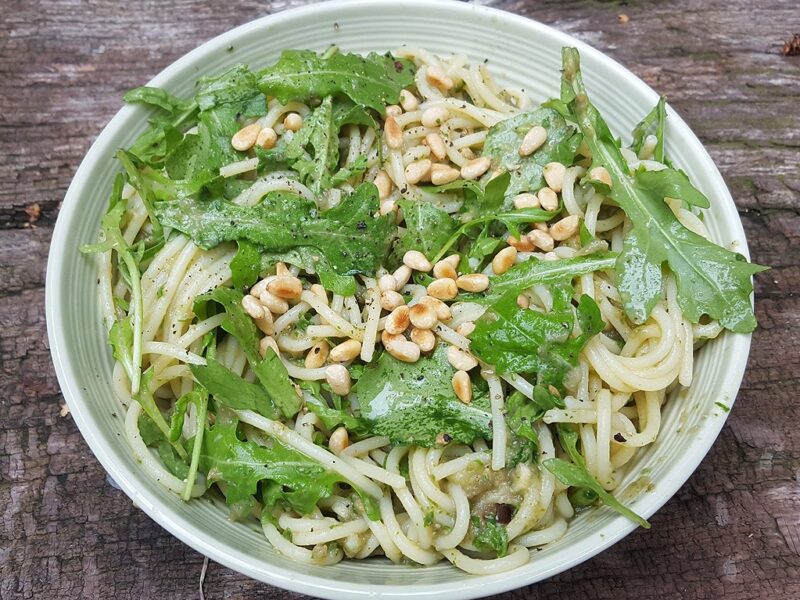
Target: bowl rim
{"points": [[294, 579]]}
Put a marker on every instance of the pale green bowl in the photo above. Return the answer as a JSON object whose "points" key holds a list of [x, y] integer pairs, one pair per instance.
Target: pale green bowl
{"points": [[521, 52]]}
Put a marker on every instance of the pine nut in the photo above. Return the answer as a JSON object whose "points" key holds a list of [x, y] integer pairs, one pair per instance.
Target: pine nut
{"points": [[437, 146], [548, 198], [408, 101], [554, 175], [401, 348], [416, 260], [436, 76], [267, 138], [387, 207], [442, 174], [461, 361], [398, 320], [293, 122], [417, 170], [541, 240], [401, 276], [245, 138], [443, 289], [443, 312], [391, 299], [317, 355], [422, 316], [565, 228], [393, 133], [319, 290], [467, 153], [434, 117], [339, 440], [281, 270], [476, 167], [265, 323], [442, 439], [286, 287], [424, 338], [474, 282], [504, 260], [393, 110], [600, 174], [526, 200], [252, 307], [462, 386], [533, 140], [273, 303], [338, 377], [387, 283], [268, 342], [444, 268], [260, 287], [541, 226], [383, 183], [465, 328], [345, 351], [522, 301], [523, 244]]}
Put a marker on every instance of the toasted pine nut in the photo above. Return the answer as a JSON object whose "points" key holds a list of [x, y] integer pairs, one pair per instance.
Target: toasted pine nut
{"points": [[338, 377], [398, 320], [387, 282], [339, 440], [524, 244], [554, 175], [462, 361], [393, 110], [416, 260], [541, 226], [317, 355], [388, 207], [422, 316], [441, 174], [444, 268], [417, 170], [600, 174], [462, 386], [402, 275], [442, 439], [275, 305], [260, 287], [548, 198], [408, 101], [443, 289], [465, 328], [268, 342], [476, 167], [265, 323], [393, 133], [442, 310], [522, 301], [286, 287], [401, 348], [293, 121], [383, 183], [504, 260], [565, 228], [252, 307], [467, 153], [436, 76], [541, 240], [345, 351], [267, 138], [434, 117], [533, 140], [391, 299], [474, 282], [245, 138], [319, 290], [526, 200], [424, 338], [281, 270], [437, 146]]}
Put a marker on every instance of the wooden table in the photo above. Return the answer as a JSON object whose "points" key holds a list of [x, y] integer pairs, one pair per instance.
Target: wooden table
{"points": [[732, 532]]}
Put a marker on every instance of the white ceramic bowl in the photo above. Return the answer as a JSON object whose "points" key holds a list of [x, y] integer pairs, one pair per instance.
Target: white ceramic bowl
{"points": [[521, 52]]}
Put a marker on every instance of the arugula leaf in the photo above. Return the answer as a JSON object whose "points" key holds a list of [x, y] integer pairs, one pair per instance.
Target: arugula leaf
{"points": [[158, 98], [490, 536], [237, 322], [568, 438], [521, 414], [246, 265], [346, 112], [373, 80], [331, 417], [348, 236], [314, 150], [145, 398], [427, 228], [233, 391], [657, 117], [311, 261], [576, 476], [711, 280], [241, 465], [669, 183], [504, 139], [414, 403], [273, 375]]}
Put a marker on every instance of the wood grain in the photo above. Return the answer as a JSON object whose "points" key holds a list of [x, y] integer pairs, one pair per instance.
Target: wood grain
{"points": [[733, 531]]}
